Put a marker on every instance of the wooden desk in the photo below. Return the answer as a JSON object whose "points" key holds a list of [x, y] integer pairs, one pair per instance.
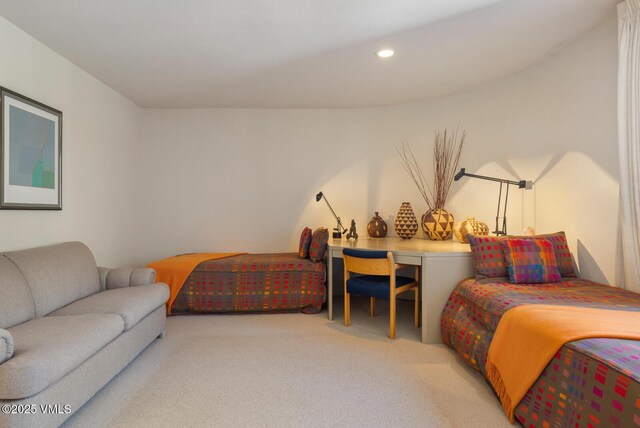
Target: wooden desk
{"points": [[443, 264]]}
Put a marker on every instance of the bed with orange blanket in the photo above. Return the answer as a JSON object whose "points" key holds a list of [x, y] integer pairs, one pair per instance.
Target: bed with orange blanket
{"points": [[588, 382], [241, 283]]}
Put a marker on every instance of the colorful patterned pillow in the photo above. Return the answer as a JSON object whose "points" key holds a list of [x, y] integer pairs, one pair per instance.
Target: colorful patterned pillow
{"points": [[562, 252], [489, 261], [530, 261], [488, 256], [305, 242], [318, 245]]}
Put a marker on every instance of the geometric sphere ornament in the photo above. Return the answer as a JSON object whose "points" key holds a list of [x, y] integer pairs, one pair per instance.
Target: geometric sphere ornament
{"points": [[438, 224]]}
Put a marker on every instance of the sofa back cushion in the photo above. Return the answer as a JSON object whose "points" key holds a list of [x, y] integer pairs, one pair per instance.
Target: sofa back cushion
{"points": [[58, 274], [16, 300]]}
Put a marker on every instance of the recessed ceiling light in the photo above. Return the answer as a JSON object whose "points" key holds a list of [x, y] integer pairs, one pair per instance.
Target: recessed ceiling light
{"points": [[385, 53]]}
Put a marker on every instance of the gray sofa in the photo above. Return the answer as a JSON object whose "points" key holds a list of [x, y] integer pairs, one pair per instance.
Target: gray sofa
{"points": [[67, 327]]}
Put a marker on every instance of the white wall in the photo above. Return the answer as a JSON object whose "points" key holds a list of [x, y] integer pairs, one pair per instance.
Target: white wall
{"points": [[245, 180], [554, 123], [142, 184], [99, 131]]}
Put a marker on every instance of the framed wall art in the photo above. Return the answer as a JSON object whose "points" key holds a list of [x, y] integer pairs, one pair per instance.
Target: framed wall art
{"points": [[31, 154]]}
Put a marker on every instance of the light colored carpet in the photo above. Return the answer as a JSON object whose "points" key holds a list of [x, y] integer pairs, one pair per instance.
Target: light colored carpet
{"points": [[294, 370]]}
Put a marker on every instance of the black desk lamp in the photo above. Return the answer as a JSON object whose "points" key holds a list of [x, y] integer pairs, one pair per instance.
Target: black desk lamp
{"points": [[339, 229], [522, 184]]}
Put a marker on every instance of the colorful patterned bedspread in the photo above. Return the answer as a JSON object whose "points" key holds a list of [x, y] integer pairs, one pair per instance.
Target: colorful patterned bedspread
{"points": [[589, 383], [254, 283]]}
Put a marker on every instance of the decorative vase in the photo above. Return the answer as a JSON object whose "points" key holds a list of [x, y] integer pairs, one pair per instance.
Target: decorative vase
{"points": [[470, 225], [406, 223], [377, 227], [438, 224]]}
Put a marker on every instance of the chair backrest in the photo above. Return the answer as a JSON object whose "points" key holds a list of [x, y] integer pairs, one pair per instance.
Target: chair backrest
{"points": [[368, 262]]}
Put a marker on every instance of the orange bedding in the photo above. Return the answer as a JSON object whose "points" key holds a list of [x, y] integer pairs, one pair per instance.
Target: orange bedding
{"points": [[529, 336], [174, 271]]}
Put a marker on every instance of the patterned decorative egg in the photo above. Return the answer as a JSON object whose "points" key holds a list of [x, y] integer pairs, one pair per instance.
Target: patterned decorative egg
{"points": [[438, 224], [406, 223]]}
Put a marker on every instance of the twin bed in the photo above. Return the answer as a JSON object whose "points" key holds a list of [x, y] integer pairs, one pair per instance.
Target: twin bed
{"points": [[253, 283], [588, 383], [243, 283]]}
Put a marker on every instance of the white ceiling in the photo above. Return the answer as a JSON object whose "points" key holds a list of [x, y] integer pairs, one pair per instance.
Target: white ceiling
{"points": [[301, 53]]}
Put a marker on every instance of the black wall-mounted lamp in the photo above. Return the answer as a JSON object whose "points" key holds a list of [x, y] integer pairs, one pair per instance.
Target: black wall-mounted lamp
{"points": [[522, 184], [339, 229]]}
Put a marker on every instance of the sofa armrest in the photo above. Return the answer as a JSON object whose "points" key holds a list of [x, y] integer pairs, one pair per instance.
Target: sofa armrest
{"points": [[125, 277], [6, 346]]}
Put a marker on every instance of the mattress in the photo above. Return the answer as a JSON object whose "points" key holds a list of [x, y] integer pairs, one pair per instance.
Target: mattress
{"points": [[589, 382], [253, 283]]}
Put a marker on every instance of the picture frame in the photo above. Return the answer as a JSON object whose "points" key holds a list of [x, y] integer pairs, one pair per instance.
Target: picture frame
{"points": [[30, 153]]}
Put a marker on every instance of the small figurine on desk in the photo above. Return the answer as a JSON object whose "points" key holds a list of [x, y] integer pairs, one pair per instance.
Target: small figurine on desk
{"points": [[352, 231]]}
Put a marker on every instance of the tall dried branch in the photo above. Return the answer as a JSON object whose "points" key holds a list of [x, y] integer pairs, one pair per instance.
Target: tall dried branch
{"points": [[446, 156], [411, 165]]}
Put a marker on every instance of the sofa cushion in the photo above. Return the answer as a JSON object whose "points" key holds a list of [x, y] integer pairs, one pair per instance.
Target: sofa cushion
{"points": [[6, 345], [126, 277], [16, 300], [4, 351], [46, 349], [57, 275], [131, 303]]}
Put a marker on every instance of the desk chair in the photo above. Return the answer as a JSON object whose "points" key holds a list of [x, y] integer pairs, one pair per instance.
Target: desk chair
{"points": [[378, 280]]}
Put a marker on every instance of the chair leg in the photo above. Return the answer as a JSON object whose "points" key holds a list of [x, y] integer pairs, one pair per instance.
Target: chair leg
{"points": [[372, 306], [392, 317], [347, 309], [417, 307]]}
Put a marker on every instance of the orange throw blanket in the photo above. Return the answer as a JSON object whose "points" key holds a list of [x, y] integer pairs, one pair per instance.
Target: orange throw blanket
{"points": [[174, 271], [529, 336]]}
